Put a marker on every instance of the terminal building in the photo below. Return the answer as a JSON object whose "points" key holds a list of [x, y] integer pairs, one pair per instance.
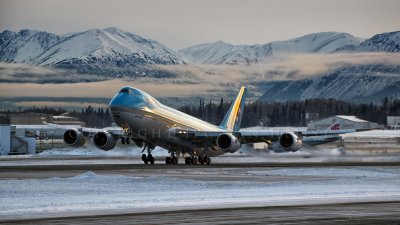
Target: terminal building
{"points": [[344, 122]]}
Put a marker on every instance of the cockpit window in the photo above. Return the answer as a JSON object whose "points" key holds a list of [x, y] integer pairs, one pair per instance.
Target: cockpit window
{"points": [[125, 90]]}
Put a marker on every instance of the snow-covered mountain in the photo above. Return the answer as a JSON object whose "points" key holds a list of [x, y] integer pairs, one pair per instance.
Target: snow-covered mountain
{"points": [[223, 53], [357, 83], [362, 83], [385, 42], [111, 52], [26, 45], [93, 51]]}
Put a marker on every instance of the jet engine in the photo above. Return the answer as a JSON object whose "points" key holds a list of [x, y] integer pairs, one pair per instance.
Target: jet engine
{"points": [[104, 140], [74, 138], [228, 143], [290, 142]]}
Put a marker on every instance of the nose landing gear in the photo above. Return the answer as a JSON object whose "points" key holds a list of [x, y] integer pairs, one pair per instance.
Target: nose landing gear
{"points": [[149, 157]]}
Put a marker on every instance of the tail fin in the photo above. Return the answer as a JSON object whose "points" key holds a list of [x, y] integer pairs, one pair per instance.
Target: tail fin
{"points": [[233, 117]]}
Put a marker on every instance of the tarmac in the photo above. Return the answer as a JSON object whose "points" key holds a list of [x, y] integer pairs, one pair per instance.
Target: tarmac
{"points": [[234, 171]]}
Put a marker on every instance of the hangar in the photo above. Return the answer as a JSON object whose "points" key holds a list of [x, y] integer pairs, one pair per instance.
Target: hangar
{"points": [[393, 122], [344, 122]]}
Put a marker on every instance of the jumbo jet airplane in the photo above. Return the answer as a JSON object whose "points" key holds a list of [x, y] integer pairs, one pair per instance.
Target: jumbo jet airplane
{"points": [[148, 123]]}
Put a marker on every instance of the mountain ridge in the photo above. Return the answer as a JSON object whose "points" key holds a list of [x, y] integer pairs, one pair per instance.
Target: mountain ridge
{"points": [[93, 51], [224, 53], [113, 53]]}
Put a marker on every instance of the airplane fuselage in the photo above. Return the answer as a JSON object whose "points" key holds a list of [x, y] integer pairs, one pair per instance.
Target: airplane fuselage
{"points": [[149, 120]]}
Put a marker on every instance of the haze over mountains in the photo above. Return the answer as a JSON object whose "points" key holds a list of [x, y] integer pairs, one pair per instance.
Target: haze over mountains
{"points": [[112, 53]]}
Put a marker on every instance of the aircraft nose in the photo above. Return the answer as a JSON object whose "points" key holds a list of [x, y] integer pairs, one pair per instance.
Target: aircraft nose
{"points": [[128, 99], [118, 100]]}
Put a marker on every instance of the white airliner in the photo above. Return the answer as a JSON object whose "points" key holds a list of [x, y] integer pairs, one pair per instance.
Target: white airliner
{"points": [[148, 123]]}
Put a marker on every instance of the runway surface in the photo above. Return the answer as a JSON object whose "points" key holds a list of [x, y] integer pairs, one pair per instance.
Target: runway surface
{"points": [[99, 190], [361, 213]]}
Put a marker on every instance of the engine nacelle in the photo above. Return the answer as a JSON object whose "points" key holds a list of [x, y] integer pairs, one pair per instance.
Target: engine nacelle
{"points": [[228, 143], [290, 142], [104, 140], [74, 138]]}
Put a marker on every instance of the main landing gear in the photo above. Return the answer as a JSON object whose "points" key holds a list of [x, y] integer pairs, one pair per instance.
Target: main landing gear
{"points": [[204, 159], [149, 157], [192, 160], [172, 160]]}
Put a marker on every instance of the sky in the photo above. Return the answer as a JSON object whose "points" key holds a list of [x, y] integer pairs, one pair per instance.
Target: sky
{"points": [[182, 23]]}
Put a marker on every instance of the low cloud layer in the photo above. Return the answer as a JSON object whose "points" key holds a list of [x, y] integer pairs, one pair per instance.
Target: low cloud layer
{"points": [[191, 80], [22, 73], [60, 104], [282, 67]]}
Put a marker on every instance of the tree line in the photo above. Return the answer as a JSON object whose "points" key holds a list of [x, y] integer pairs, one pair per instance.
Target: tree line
{"points": [[294, 113], [92, 117], [290, 113]]}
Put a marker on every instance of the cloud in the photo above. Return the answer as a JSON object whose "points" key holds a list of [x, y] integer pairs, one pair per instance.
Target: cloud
{"points": [[281, 67], [195, 80], [21, 73]]}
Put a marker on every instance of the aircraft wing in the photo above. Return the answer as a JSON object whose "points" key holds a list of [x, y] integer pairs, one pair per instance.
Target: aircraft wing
{"points": [[249, 136], [87, 131]]}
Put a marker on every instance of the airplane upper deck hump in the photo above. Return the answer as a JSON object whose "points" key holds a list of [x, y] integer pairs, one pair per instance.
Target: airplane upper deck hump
{"points": [[233, 117], [133, 98]]}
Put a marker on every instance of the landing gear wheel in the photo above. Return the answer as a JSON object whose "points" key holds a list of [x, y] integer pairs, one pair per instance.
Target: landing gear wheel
{"points": [[201, 159], [175, 160], [168, 160], [151, 159], [145, 159]]}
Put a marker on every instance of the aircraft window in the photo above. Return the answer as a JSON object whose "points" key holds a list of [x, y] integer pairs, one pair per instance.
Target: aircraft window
{"points": [[125, 90]]}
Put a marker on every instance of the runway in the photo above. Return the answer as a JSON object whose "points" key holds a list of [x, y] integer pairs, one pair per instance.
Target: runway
{"points": [[361, 213], [233, 190]]}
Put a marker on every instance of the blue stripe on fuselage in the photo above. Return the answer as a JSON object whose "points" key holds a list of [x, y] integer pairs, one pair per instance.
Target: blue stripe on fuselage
{"points": [[130, 98]]}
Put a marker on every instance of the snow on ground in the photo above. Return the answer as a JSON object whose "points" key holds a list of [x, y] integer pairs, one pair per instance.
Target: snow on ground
{"points": [[93, 151], [90, 192], [81, 156]]}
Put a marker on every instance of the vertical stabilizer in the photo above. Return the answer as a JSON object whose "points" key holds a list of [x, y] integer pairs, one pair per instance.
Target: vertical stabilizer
{"points": [[233, 117]]}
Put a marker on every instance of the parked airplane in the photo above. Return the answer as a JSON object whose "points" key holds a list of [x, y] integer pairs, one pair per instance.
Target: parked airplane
{"points": [[148, 123]]}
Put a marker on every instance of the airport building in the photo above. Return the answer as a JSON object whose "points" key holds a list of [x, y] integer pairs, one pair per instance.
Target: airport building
{"points": [[393, 122], [41, 118], [345, 122], [26, 133], [11, 143]]}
